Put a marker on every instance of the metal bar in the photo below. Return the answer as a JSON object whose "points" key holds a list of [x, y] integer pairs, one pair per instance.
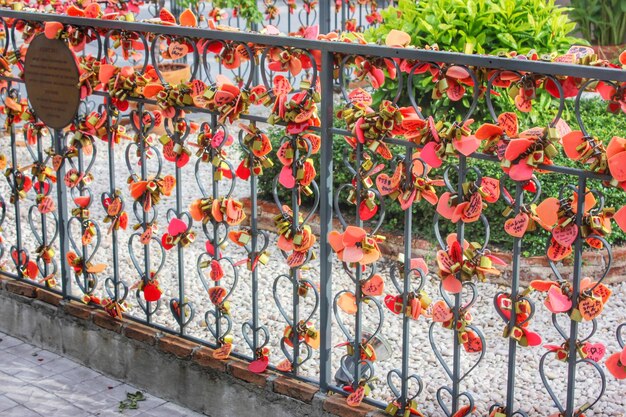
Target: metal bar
{"points": [[144, 220], [42, 216], [81, 187], [112, 185], [181, 251], [343, 15], [295, 226], [326, 218], [216, 247], [408, 232], [573, 335], [176, 8], [548, 68], [324, 16], [11, 275], [254, 241], [62, 213], [16, 201], [358, 274], [288, 22], [517, 253], [456, 345]]}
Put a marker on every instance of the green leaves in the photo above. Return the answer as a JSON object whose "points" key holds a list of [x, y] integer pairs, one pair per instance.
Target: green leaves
{"points": [[248, 9], [508, 40], [602, 22], [480, 27], [491, 26]]}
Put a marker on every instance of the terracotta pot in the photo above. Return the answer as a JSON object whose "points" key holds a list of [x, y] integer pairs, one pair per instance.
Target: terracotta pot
{"points": [[609, 52]]}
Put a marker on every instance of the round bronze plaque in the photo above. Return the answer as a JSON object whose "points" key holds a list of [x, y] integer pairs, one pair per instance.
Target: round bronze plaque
{"points": [[51, 78]]}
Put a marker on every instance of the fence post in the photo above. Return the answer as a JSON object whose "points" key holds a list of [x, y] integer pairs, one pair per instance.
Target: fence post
{"points": [[216, 247], [517, 253], [16, 200], [254, 273], [326, 212], [406, 288], [62, 212], [324, 13], [456, 361], [179, 138], [572, 360], [112, 187]]}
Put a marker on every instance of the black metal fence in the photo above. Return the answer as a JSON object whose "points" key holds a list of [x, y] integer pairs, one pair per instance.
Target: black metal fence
{"points": [[151, 226]]}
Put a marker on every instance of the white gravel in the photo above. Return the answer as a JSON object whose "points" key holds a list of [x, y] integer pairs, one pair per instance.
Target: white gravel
{"points": [[487, 381]]}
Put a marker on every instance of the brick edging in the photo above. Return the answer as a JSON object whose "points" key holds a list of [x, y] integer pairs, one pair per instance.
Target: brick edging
{"points": [[188, 351]]}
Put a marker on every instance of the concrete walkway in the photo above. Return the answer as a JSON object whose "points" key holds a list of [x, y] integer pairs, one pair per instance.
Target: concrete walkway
{"points": [[36, 382]]}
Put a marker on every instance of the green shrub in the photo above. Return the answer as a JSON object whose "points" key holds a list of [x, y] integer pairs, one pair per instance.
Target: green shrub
{"points": [[597, 121], [474, 26], [601, 22], [480, 26]]}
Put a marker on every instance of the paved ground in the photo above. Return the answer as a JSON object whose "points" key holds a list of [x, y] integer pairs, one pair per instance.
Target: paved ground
{"points": [[36, 382]]}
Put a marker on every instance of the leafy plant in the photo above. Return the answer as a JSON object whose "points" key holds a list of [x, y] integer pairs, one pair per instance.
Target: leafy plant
{"points": [[189, 4], [246, 9], [602, 22], [481, 26]]}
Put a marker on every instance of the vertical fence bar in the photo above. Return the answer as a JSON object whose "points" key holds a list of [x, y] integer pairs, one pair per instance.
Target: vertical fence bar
{"points": [[408, 226], [326, 211], [179, 249], [81, 188], [456, 364], [42, 216], [573, 335], [256, 76], [144, 221], [324, 17], [358, 272], [517, 253], [215, 193], [16, 199], [112, 184], [295, 227], [288, 22], [176, 7], [254, 241], [217, 250], [62, 212]]}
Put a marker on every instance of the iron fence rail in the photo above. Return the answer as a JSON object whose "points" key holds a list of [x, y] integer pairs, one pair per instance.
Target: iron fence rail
{"points": [[356, 368], [340, 48]]}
